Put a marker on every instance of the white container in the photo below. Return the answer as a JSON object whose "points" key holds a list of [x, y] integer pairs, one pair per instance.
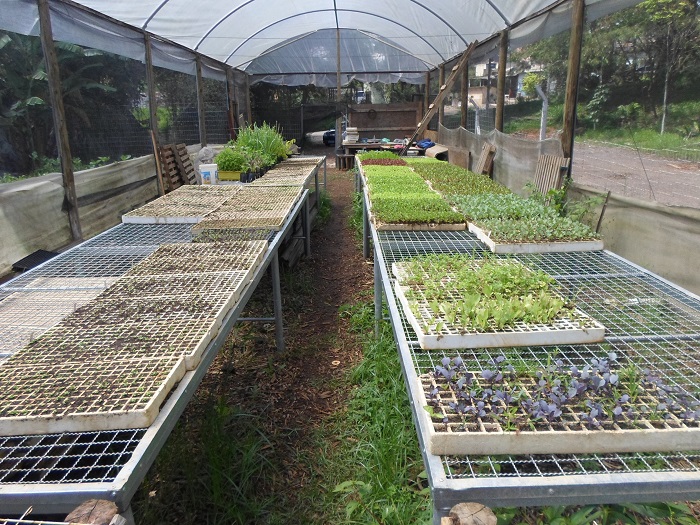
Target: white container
{"points": [[209, 173]]}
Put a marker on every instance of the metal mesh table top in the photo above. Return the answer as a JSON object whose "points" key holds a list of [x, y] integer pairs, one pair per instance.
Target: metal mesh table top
{"points": [[66, 457], [93, 458], [648, 321]]}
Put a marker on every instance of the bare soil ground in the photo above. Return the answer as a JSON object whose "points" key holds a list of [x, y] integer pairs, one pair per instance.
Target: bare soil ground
{"points": [[629, 173]]}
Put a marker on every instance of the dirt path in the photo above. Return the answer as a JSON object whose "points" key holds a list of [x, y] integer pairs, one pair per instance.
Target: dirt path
{"points": [[285, 396], [629, 173]]}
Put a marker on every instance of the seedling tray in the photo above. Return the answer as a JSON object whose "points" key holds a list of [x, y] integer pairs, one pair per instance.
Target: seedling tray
{"points": [[417, 226], [190, 285], [26, 315], [539, 247], [85, 396], [187, 204], [262, 207], [434, 331], [235, 234], [470, 434], [201, 258], [281, 180], [209, 309], [142, 339]]}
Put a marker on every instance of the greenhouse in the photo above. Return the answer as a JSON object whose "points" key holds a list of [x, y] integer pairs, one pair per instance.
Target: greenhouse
{"points": [[196, 293]]}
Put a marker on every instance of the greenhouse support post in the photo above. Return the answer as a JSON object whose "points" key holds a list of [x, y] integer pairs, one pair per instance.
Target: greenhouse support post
{"points": [[150, 80], [59, 119], [232, 104], [153, 108], [200, 102], [501, 86], [571, 91], [338, 86], [426, 95], [441, 81], [249, 110], [464, 96]]}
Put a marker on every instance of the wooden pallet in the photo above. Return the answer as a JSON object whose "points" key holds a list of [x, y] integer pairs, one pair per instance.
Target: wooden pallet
{"points": [[485, 163], [550, 171], [176, 166]]}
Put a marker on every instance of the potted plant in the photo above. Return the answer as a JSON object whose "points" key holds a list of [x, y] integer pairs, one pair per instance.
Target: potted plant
{"points": [[231, 161]]}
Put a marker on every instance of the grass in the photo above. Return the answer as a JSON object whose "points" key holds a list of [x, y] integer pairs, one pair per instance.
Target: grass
{"points": [[680, 141], [375, 471]]}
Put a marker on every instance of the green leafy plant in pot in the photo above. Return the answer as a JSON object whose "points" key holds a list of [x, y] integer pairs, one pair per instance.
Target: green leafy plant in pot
{"points": [[231, 162]]}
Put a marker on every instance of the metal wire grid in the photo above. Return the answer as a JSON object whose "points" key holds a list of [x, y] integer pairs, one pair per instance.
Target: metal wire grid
{"points": [[142, 235], [675, 359], [85, 457], [92, 263], [67, 457]]}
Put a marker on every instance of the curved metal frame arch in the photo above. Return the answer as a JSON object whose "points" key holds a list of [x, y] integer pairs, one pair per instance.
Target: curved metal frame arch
{"points": [[442, 20], [335, 10], [499, 12], [366, 33]]}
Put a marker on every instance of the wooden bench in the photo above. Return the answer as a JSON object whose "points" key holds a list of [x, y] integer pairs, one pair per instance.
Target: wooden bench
{"points": [[344, 161], [550, 171]]}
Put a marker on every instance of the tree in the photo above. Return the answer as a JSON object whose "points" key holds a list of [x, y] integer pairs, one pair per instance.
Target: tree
{"points": [[675, 37]]}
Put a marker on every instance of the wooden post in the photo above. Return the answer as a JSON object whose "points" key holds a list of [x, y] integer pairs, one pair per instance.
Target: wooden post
{"points": [[571, 93], [151, 87], [152, 109], [59, 119], [426, 95], [464, 96], [232, 104], [200, 103], [501, 89], [249, 110], [338, 96], [441, 109]]}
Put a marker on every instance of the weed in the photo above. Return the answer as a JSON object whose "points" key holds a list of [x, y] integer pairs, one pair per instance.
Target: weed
{"points": [[324, 208]]}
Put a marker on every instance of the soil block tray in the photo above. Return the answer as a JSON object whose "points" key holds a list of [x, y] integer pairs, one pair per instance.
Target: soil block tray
{"points": [[234, 234], [262, 207], [281, 180], [535, 247], [182, 338], [24, 316], [202, 258], [190, 285], [187, 204], [84, 396], [515, 432], [434, 331], [210, 309]]}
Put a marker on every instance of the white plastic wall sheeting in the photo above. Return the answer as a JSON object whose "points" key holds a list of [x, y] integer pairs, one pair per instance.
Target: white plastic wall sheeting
{"points": [[31, 215], [242, 32], [660, 238]]}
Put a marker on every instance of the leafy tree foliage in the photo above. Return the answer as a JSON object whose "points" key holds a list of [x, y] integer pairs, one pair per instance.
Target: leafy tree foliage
{"points": [[632, 56]]}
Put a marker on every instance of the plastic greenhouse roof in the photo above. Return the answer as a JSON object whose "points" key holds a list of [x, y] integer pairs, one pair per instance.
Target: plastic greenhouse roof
{"points": [[294, 41]]}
